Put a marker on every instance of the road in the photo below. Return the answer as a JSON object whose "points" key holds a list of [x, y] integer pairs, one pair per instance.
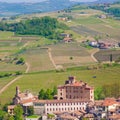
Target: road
{"points": [[15, 79]]}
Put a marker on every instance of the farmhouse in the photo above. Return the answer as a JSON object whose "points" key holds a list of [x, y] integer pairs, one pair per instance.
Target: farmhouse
{"points": [[75, 90], [67, 39]]}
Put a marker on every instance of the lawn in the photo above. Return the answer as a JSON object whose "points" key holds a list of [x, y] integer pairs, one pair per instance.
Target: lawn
{"points": [[35, 81]]}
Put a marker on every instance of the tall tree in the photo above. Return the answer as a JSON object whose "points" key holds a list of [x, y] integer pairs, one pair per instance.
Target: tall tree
{"points": [[18, 111], [41, 94]]}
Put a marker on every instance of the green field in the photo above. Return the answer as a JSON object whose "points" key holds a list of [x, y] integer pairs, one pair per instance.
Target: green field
{"points": [[35, 81]]}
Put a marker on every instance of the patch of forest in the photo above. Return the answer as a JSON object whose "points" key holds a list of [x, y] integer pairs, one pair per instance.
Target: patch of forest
{"points": [[45, 26]]}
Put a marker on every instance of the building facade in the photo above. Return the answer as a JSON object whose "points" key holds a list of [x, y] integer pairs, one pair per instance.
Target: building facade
{"points": [[53, 106], [24, 98], [73, 89]]}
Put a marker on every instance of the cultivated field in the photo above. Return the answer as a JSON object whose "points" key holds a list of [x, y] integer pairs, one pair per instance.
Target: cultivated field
{"points": [[70, 54], [104, 55], [38, 59]]}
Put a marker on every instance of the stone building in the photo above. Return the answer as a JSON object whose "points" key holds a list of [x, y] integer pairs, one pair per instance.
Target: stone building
{"points": [[73, 89], [24, 98]]}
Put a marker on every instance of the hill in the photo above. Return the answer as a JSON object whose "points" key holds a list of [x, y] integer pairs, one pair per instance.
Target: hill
{"points": [[106, 1]]}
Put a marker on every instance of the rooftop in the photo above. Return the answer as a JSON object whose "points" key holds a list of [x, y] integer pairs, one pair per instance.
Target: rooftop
{"points": [[61, 101]]}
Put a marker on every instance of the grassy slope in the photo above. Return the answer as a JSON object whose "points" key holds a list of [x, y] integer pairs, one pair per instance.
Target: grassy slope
{"points": [[34, 82]]}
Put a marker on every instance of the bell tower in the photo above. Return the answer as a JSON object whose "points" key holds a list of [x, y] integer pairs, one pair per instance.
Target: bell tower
{"points": [[17, 91]]}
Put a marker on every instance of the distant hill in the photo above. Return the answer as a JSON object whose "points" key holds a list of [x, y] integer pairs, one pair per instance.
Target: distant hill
{"points": [[8, 9], [106, 1]]}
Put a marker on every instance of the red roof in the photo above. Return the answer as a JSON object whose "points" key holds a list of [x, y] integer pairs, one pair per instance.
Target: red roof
{"points": [[109, 102]]}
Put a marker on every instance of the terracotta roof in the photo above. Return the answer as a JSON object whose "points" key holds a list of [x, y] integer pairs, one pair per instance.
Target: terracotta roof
{"points": [[78, 113], [22, 95], [67, 117], [109, 102], [89, 116], [28, 100], [67, 39], [11, 107], [115, 117], [99, 102], [61, 101]]}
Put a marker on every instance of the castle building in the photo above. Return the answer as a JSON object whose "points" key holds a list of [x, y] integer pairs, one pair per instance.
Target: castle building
{"points": [[73, 89], [73, 96]]}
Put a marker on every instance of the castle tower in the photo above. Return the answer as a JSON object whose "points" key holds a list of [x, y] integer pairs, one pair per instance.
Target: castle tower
{"points": [[17, 91]]}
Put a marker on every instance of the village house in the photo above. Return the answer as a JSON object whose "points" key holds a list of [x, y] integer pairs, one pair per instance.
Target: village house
{"points": [[108, 108], [11, 109], [67, 39]]}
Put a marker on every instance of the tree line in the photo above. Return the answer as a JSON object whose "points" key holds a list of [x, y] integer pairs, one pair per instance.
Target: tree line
{"points": [[107, 90], [115, 11], [45, 26], [47, 94]]}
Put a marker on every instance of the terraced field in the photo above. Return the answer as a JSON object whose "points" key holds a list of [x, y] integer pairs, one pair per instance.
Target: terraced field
{"points": [[85, 31], [104, 55], [38, 59], [62, 54]]}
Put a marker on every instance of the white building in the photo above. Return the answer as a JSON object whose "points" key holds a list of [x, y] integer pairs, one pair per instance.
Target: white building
{"points": [[53, 106]]}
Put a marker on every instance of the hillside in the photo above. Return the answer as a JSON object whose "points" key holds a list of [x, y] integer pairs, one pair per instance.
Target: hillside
{"points": [[48, 63]]}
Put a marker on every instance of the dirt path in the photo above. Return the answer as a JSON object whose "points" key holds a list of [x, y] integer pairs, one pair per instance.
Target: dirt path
{"points": [[24, 45], [92, 55], [51, 58], [15, 79]]}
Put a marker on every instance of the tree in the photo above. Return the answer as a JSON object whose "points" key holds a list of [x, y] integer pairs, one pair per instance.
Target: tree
{"points": [[20, 61], [99, 93], [54, 92], [18, 111], [10, 117], [48, 94], [41, 94], [2, 115], [30, 110]]}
